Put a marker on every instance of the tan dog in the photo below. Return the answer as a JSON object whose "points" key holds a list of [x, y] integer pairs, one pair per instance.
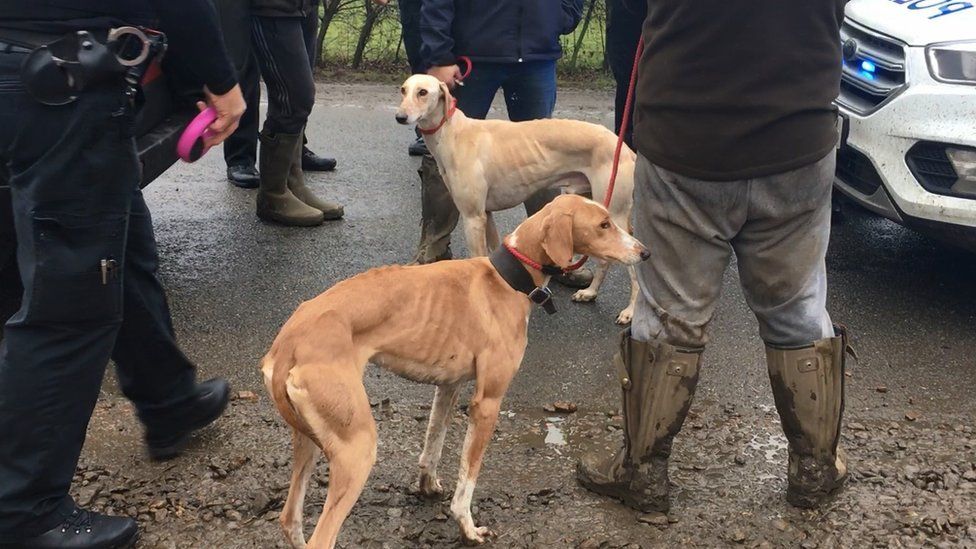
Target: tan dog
{"points": [[492, 165], [442, 324]]}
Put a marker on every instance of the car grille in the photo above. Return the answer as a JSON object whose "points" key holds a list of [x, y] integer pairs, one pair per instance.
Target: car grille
{"points": [[930, 164], [860, 90], [857, 171]]}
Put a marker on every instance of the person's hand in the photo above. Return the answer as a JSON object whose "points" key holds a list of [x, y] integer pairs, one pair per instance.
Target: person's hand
{"points": [[450, 74], [230, 108]]}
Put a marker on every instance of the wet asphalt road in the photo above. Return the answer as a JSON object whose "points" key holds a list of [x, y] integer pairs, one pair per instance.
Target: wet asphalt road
{"points": [[232, 280]]}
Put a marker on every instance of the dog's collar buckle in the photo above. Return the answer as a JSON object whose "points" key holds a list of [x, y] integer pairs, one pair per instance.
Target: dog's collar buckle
{"points": [[516, 275], [542, 295]]}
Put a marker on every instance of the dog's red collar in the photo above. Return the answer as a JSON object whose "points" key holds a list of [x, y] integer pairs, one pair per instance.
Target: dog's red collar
{"points": [[551, 270], [450, 113]]}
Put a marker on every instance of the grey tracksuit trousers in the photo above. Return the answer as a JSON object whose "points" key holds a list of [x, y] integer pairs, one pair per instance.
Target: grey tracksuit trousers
{"points": [[777, 226]]}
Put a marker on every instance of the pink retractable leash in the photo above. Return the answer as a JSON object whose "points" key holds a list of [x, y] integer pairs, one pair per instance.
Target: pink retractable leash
{"points": [[190, 146]]}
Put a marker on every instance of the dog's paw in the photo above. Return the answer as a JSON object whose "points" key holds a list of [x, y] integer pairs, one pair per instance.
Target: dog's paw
{"points": [[429, 487], [584, 295], [625, 316], [477, 536]]}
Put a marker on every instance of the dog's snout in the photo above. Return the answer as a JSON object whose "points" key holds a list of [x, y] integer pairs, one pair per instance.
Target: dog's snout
{"points": [[401, 118], [645, 254]]}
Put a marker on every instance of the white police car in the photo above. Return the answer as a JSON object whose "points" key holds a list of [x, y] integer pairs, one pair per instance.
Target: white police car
{"points": [[908, 112]]}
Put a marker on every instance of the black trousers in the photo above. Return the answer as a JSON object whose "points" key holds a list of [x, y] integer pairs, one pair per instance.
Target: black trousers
{"points": [[625, 20], [410, 27], [74, 177], [241, 148], [282, 53], [310, 32]]}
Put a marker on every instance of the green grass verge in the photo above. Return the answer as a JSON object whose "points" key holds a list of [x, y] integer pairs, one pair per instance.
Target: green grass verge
{"points": [[385, 60]]}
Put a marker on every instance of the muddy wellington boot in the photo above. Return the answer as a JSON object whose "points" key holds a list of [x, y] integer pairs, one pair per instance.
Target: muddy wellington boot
{"points": [[658, 382], [296, 184], [438, 214], [808, 386], [274, 201]]}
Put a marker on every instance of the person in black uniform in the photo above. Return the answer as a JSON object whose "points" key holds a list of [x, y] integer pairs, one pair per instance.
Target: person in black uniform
{"points": [[87, 259]]}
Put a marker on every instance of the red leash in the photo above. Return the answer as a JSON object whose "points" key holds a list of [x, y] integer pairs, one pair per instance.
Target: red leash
{"points": [[616, 153], [470, 65]]}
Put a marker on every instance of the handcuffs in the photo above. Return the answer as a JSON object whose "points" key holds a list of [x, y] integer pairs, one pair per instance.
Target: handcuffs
{"points": [[57, 72]]}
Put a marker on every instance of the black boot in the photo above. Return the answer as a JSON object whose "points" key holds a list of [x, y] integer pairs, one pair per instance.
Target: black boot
{"points": [[808, 386], [82, 529], [418, 147], [243, 176], [166, 440], [658, 382], [312, 162]]}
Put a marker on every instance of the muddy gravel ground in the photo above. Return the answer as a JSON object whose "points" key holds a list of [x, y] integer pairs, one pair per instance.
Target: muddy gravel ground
{"points": [[913, 483], [232, 281]]}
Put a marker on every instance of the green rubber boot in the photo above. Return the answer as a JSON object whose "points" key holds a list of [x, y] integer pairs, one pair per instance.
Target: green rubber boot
{"points": [[438, 214], [658, 382], [296, 184], [275, 202], [808, 386]]}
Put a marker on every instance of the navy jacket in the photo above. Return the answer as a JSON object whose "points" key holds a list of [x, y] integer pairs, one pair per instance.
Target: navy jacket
{"points": [[498, 31]]}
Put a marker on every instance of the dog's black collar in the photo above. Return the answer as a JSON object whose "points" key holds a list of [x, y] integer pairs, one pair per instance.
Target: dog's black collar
{"points": [[516, 275]]}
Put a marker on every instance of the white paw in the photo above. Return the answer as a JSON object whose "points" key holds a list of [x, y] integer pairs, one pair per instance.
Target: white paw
{"points": [[430, 486], [477, 536], [584, 295], [625, 316]]}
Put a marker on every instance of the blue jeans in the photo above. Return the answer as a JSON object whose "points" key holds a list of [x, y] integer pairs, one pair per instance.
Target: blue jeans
{"points": [[530, 89], [410, 23]]}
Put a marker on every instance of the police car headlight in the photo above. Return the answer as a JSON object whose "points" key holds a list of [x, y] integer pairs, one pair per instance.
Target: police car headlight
{"points": [[953, 63]]}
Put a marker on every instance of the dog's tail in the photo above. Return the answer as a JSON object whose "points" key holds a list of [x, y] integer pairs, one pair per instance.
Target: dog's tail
{"points": [[275, 379]]}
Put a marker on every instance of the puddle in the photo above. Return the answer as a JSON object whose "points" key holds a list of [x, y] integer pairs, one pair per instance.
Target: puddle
{"points": [[554, 431]]}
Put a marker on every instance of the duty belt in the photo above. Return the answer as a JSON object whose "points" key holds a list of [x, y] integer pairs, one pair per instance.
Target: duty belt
{"points": [[56, 72]]}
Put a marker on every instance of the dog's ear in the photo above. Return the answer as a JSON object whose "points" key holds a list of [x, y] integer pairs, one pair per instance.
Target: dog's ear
{"points": [[557, 237], [447, 98]]}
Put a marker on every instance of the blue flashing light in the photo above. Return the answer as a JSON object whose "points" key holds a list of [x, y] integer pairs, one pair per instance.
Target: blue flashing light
{"points": [[868, 67], [866, 75]]}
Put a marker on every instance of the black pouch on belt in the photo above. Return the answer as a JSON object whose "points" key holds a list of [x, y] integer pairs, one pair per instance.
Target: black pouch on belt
{"points": [[55, 73]]}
